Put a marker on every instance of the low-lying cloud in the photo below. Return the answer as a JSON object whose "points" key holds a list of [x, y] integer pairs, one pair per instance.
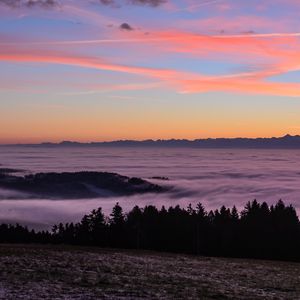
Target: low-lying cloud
{"points": [[214, 178]]}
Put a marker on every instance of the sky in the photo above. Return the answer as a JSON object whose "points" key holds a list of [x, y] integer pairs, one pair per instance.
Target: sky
{"points": [[95, 70]]}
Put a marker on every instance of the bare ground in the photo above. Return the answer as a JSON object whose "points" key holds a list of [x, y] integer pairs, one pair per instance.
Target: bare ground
{"points": [[61, 272]]}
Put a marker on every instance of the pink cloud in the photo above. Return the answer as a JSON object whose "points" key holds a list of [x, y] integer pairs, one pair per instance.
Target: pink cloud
{"points": [[261, 44], [251, 82]]}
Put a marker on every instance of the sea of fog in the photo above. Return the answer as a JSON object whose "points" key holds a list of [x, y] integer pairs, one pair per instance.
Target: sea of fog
{"points": [[211, 176]]}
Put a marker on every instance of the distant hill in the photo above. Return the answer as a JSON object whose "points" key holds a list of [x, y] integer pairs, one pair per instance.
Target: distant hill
{"points": [[76, 185], [285, 142]]}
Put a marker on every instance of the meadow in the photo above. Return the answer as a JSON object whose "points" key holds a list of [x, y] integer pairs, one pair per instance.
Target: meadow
{"points": [[70, 272]]}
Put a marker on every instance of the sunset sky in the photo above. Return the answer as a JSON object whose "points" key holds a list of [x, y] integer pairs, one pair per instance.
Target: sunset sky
{"points": [[93, 70]]}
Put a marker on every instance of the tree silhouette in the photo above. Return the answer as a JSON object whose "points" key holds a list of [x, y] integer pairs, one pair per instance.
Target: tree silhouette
{"points": [[117, 226], [259, 231]]}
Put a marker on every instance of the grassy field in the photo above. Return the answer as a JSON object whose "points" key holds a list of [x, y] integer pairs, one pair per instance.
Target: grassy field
{"points": [[61, 272]]}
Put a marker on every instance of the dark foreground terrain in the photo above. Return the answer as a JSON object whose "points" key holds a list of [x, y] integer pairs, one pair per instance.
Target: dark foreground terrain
{"points": [[60, 272]]}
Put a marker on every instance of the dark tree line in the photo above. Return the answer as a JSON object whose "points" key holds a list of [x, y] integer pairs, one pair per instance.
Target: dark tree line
{"points": [[258, 231]]}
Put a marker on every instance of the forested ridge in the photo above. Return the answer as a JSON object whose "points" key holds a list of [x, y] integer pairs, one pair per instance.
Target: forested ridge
{"points": [[258, 231]]}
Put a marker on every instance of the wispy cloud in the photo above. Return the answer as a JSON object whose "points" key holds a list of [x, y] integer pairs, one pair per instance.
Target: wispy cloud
{"points": [[186, 82], [30, 3], [199, 4], [53, 3], [153, 3], [261, 55], [118, 3]]}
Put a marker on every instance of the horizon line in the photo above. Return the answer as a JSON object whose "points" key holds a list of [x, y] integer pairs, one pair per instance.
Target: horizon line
{"points": [[66, 141]]}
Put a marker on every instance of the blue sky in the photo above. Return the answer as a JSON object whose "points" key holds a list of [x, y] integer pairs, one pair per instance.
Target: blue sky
{"points": [[177, 69]]}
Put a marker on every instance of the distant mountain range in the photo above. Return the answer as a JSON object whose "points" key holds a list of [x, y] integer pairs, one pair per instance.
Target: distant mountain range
{"points": [[285, 142]]}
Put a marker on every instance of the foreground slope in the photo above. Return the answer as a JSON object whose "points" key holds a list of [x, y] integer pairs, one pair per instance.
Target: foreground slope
{"points": [[56, 272]]}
